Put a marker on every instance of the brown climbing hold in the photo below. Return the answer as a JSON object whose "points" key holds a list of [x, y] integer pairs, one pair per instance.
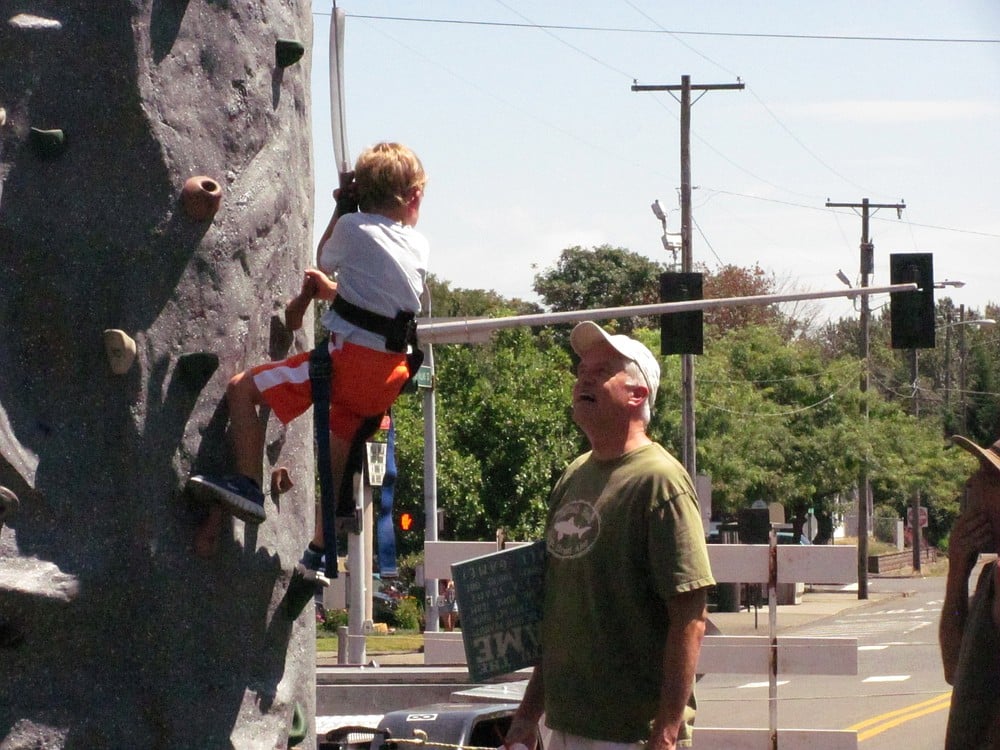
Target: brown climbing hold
{"points": [[201, 197], [281, 481]]}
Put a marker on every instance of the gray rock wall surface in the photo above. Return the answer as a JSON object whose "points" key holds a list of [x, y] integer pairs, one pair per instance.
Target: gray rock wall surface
{"points": [[112, 633]]}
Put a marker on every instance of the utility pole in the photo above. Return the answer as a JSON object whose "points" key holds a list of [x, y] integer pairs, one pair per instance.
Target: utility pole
{"points": [[915, 527], [864, 486], [687, 360]]}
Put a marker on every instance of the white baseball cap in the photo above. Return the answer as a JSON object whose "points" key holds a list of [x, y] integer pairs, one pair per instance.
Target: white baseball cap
{"points": [[587, 334]]}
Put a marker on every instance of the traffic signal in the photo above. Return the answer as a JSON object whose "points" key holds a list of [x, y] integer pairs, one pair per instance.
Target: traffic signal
{"points": [[410, 521], [911, 314], [681, 333]]}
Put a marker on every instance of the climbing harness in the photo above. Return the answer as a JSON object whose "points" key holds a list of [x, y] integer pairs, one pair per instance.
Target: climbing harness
{"points": [[320, 372]]}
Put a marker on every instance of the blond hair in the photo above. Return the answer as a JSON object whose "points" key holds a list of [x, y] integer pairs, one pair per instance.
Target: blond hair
{"points": [[386, 175]]}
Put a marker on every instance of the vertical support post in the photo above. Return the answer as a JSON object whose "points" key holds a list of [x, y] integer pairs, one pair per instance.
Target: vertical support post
{"points": [[431, 620], [358, 587], [915, 500], [963, 421], [687, 360], [864, 486], [772, 629], [368, 545], [689, 448], [947, 365]]}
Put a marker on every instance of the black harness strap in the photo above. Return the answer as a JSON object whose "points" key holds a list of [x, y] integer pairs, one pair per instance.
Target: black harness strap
{"points": [[320, 371], [398, 331]]}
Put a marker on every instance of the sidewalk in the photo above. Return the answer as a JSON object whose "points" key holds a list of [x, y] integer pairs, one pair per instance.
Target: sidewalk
{"points": [[817, 602]]}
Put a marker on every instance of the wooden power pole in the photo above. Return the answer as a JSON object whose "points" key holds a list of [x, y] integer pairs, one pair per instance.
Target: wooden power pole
{"points": [[864, 486], [687, 360]]}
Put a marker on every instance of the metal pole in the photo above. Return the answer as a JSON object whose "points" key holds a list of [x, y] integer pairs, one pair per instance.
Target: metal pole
{"points": [[431, 621], [688, 452], [947, 365], [772, 628], [476, 330], [358, 587], [915, 500], [864, 488], [962, 373]]}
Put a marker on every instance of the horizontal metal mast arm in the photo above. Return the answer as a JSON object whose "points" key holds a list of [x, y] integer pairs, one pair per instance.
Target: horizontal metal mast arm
{"points": [[469, 330]]}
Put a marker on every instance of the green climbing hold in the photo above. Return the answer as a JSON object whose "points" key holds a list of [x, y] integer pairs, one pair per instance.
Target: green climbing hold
{"points": [[47, 144], [297, 732], [288, 52]]}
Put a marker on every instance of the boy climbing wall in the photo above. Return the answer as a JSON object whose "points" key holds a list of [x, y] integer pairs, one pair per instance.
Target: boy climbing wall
{"points": [[372, 267]]}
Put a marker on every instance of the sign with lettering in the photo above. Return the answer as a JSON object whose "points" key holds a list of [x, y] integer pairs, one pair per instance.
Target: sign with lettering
{"points": [[500, 603]]}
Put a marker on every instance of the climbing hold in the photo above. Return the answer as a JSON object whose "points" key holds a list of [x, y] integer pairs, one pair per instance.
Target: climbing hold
{"points": [[33, 22], [47, 144], [281, 481], [3, 117], [120, 348], [299, 729], [8, 504], [196, 368], [288, 52], [201, 197]]}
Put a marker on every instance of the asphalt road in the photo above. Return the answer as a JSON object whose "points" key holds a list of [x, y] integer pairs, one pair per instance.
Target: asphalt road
{"points": [[898, 699]]}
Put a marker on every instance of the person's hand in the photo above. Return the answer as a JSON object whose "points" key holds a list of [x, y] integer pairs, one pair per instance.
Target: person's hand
{"points": [[346, 195], [970, 535], [322, 285], [662, 738], [522, 734]]}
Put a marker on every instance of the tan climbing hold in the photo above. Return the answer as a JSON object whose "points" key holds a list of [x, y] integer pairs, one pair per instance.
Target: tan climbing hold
{"points": [[120, 348], [281, 481]]}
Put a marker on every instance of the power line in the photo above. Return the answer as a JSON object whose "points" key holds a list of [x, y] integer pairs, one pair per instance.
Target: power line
{"points": [[678, 32], [608, 66]]}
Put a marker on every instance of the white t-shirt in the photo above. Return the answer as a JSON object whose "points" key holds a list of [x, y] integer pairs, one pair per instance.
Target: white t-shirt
{"points": [[380, 265]]}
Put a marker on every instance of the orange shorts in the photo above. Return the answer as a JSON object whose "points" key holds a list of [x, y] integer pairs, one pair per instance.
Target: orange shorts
{"points": [[364, 384]]}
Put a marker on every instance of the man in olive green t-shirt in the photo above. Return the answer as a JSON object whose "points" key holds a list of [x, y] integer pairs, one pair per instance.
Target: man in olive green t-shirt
{"points": [[626, 573]]}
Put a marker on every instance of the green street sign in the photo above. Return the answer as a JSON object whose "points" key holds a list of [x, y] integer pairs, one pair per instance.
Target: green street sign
{"points": [[425, 377]]}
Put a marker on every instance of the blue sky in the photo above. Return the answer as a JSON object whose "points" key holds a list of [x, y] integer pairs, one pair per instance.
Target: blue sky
{"points": [[534, 142]]}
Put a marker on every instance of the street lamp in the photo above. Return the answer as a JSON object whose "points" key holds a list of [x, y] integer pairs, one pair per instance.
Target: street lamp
{"points": [[671, 240]]}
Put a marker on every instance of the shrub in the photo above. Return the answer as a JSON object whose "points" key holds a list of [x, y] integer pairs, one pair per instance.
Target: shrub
{"points": [[408, 614], [334, 618], [884, 518]]}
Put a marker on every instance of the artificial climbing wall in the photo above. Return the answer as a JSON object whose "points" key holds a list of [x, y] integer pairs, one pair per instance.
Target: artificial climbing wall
{"points": [[123, 312]]}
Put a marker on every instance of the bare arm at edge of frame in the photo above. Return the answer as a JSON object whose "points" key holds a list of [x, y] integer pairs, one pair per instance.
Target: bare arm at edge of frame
{"points": [[680, 660]]}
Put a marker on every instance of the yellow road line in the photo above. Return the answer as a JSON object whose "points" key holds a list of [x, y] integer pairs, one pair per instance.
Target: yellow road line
{"points": [[883, 722]]}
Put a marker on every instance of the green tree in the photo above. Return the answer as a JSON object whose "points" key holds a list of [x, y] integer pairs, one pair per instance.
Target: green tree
{"points": [[604, 276], [504, 434]]}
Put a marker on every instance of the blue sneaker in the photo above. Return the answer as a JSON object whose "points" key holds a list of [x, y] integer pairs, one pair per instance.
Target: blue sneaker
{"points": [[308, 581], [240, 495], [310, 567]]}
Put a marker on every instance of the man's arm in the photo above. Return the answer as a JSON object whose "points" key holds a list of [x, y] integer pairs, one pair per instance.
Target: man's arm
{"points": [[524, 725], [680, 659], [970, 534]]}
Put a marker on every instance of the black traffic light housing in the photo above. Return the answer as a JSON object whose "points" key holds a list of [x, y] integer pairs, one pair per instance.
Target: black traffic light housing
{"points": [[912, 313], [681, 332]]}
